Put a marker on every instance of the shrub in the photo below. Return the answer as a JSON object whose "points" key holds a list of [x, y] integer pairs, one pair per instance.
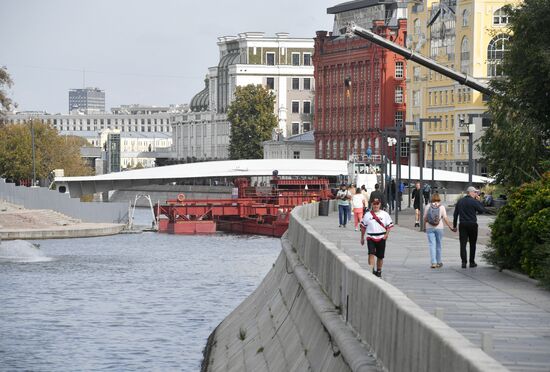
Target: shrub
{"points": [[520, 235]]}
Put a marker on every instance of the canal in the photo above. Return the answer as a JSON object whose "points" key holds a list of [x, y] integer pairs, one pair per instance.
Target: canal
{"points": [[125, 302]]}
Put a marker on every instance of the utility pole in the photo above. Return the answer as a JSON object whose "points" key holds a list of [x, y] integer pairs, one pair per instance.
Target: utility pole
{"points": [[470, 129], [432, 144], [421, 161]]}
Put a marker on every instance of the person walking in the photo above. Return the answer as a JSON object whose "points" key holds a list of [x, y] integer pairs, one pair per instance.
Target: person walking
{"points": [[434, 217], [358, 203], [400, 194], [376, 225], [343, 196], [377, 194], [466, 210], [426, 191], [351, 190], [393, 193], [365, 193], [416, 203]]}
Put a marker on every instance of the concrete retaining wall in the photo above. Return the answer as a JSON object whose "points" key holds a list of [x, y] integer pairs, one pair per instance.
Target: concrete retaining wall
{"points": [[42, 198], [403, 336], [62, 233]]}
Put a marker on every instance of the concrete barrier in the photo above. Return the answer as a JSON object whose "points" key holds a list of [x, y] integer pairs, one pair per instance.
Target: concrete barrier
{"points": [[403, 336]]}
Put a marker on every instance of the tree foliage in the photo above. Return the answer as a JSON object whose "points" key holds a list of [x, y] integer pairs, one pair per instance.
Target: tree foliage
{"points": [[52, 151], [252, 121], [516, 145], [5, 81]]}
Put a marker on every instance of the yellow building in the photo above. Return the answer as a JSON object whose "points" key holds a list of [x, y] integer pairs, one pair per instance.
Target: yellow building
{"points": [[468, 36]]}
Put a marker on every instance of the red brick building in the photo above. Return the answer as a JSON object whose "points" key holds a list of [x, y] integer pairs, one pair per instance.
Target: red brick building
{"points": [[360, 87]]}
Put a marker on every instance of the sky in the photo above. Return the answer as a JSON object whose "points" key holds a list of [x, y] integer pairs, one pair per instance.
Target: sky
{"points": [[154, 52]]}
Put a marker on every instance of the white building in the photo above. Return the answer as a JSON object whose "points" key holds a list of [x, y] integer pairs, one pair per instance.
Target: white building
{"points": [[299, 146], [280, 63]]}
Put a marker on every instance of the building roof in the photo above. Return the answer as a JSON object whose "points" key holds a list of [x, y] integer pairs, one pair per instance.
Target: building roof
{"points": [[355, 4], [96, 134], [200, 101]]}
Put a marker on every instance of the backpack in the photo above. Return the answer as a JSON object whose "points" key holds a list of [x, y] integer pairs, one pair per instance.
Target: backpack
{"points": [[427, 189], [433, 215]]}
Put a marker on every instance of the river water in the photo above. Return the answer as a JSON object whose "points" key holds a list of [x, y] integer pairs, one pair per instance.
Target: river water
{"points": [[125, 302]]}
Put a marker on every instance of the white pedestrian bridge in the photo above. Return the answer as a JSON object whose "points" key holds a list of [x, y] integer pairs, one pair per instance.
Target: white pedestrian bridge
{"points": [[78, 186]]}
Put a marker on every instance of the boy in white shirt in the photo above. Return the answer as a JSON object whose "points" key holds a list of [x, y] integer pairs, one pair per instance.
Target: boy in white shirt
{"points": [[358, 203], [376, 224]]}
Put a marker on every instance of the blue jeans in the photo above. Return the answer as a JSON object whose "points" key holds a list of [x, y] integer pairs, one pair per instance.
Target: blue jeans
{"points": [[343, 214], [434, 239]]}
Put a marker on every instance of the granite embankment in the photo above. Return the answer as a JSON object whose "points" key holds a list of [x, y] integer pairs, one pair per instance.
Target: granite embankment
{"points": [[17, 222], [319, 310]]}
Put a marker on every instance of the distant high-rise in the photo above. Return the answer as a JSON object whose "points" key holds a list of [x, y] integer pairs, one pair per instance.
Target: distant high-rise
{"points": [[87, 99]]}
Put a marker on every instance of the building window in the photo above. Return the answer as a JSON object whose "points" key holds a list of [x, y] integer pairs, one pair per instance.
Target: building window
{"points": [[306, 107], [496, 50], [270, 59], [399, 70], [307, 127], [465, 16], [307, 59], [416, 98], [295, 59], [296, 155], [295, 128], [500, 17], [295, 107], [465, 55], [270, 83], [399, 117], [307, 84], [416, 73], [295, 83], [399, 95], [417, 29]]}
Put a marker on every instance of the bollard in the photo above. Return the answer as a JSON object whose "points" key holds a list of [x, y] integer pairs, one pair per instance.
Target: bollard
{"points": [[438, 313], [486, 342]]}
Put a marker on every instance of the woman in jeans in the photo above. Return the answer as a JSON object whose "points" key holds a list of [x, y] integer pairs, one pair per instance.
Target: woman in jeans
{"points": [[434, 216]]}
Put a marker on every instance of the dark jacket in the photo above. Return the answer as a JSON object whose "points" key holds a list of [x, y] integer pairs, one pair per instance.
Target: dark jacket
{"points": [[467, 208]]}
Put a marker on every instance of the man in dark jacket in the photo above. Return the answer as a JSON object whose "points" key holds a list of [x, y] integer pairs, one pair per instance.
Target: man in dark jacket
{"points": [[377, 194], [466, 210]]}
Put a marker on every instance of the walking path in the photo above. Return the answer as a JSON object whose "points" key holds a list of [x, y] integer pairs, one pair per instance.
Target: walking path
{"points": [[17, 222], [514, 312]]}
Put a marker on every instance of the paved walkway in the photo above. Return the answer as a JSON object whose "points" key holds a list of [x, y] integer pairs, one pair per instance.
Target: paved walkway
{"points": [[515, 312], [17, 222]]}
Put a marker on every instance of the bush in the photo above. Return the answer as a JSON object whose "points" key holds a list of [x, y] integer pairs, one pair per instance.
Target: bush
{"points": [[520, 235]]}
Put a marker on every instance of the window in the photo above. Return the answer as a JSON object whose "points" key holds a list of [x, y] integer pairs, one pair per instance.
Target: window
{"points": [[496, 50], [465, 55], [295, 59], [295, 83], [295, 107], [295, 128], [270, 59], [399, 117], [270, 83], [416, 98], [307, 127], [307, 59], [399, 70], [296, 155], [306, 107], [417, 29], [307, 84], [399, 95], [500, 18], [416, 73], [465, 16]]}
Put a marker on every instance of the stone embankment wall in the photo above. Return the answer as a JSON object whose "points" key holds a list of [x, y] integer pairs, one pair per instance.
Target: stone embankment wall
{"points": [[319, 310]]}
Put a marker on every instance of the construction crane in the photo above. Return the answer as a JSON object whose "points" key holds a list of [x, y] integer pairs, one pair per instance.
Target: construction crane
{"points": [[464, 79]]}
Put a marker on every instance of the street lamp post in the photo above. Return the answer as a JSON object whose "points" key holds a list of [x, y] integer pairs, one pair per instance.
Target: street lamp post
{"points": [[31, 119], [421, 157], [470, 129]]}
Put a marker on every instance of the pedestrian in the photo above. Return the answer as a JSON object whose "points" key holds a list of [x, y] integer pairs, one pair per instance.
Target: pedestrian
{"points": [[416, 203], [426, 191], [358, 203], [365, 193], [393, 189], [376, 225], [343, 196], [377, 194], [466, 212], [434, 217], [351, 190], [400, 196]]}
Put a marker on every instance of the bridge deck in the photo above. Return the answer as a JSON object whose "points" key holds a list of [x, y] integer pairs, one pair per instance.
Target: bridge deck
{"points": [[514, 311]]}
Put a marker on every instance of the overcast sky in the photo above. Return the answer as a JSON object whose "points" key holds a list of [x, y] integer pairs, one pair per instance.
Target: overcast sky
{"points": [[150, 52]]}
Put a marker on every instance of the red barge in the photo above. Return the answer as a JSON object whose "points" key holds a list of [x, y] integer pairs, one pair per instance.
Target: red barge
{"points": [[255, 210]]}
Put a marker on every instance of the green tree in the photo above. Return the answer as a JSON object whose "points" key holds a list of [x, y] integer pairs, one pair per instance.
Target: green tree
{"points": [[51, 152], [516, 145], [252, 121], [5, 81]]}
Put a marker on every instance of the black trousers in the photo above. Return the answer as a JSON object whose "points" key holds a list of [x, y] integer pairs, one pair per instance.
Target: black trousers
{"points": [[467, 232]]}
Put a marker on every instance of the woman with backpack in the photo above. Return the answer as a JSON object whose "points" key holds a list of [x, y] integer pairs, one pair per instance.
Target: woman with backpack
{"points": [[434, 216]]}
